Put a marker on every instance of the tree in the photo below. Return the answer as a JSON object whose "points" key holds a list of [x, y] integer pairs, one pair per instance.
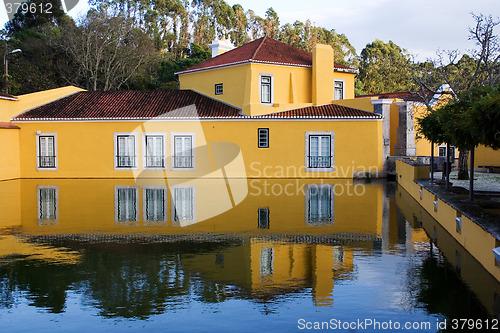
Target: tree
{"points": [[385, 67], [108, 50], [470, 120], [482, 68]]}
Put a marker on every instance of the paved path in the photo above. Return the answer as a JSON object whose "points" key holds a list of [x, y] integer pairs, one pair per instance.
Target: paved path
{"points": [[482, 181]]}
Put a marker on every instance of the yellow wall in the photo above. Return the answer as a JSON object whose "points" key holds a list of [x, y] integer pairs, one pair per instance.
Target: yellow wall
{"points": [[472, 237], [322, 69], [214, 212], [86, 149], [486, 156], [9, 109], [484, 285], [9, 154], [292, 86], [358, 103]]}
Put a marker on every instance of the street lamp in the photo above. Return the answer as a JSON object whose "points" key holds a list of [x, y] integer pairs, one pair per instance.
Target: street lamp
{"points": [[6, 67]]}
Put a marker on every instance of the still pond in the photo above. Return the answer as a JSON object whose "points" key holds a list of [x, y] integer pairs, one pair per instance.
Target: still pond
{"points": [[230, 256]]}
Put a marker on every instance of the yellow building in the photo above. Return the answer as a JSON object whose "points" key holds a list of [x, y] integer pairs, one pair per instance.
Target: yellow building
{"points": [[263, 110]]}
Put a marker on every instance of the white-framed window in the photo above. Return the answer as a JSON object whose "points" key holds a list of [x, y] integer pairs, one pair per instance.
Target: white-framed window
{"points": [[266, 90], [46, 151], [338, 89], [48, 209], [153, 149], [263, 218], [320, 151], [219, 89], [319, 204], [126, 204], [263, 138], [183, 204], [126, 151], [183, 151], [154, 203]]}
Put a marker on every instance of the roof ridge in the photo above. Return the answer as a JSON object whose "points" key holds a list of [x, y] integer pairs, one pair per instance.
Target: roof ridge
{"points": [[258, 48]]}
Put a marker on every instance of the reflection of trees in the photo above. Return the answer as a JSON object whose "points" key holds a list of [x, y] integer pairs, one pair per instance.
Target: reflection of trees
{"points": [[124, 280], [441, 291], [46, 283]]}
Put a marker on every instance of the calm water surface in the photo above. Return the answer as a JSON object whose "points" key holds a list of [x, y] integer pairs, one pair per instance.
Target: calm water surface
{"points": [[246, 256]]}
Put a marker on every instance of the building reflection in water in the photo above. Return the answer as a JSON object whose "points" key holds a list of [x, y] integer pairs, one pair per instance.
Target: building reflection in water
{"points": [[143, 249]]}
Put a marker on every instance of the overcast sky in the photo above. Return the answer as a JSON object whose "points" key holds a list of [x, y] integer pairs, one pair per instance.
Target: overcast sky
{"points": [[420, 26]]}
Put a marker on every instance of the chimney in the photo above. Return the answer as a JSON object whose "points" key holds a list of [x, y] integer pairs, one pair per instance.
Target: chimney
{"points": [[322, 74], [220, 46]]}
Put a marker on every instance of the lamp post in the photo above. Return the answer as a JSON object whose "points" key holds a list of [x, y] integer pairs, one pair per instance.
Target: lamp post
{"points": [[6, 67]]}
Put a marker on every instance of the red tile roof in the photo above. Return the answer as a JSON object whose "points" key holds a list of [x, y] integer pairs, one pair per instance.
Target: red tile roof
{"points": [[8, 96], [330, 111], [131, 105], [406, 96], [263, 50], [173, 104], [7, 125]]}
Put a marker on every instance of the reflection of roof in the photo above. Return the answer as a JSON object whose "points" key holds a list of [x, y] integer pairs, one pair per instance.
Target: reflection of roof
{"points": [[172, 104], [330, 111], [262, 50], [8, 97], [406, 96]]}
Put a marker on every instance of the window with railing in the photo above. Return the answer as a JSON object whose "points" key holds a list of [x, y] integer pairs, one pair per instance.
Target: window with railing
{"points": [[155, 204], [126, 205], [183, 152], [46, 151], [183, 203], [319, 204], [47, 205], [126, 151], [319, 151], [154, 149]]}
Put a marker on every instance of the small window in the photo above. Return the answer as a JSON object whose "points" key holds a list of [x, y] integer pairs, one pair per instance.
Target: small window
{"points": [[265, 89], [263, 140], [263, 222], [154, 150], [219, 89], [339, 90], [183, 151], [126, 151], [46, 152]]}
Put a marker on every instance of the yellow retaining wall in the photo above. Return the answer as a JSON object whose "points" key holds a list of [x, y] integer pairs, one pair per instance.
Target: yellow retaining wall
{"points": [[472, 237], [86, 149]]}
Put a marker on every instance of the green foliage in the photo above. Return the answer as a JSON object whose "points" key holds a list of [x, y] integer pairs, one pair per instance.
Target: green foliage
{"points": [[472, 120], [385, 67], [170, 25]]}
